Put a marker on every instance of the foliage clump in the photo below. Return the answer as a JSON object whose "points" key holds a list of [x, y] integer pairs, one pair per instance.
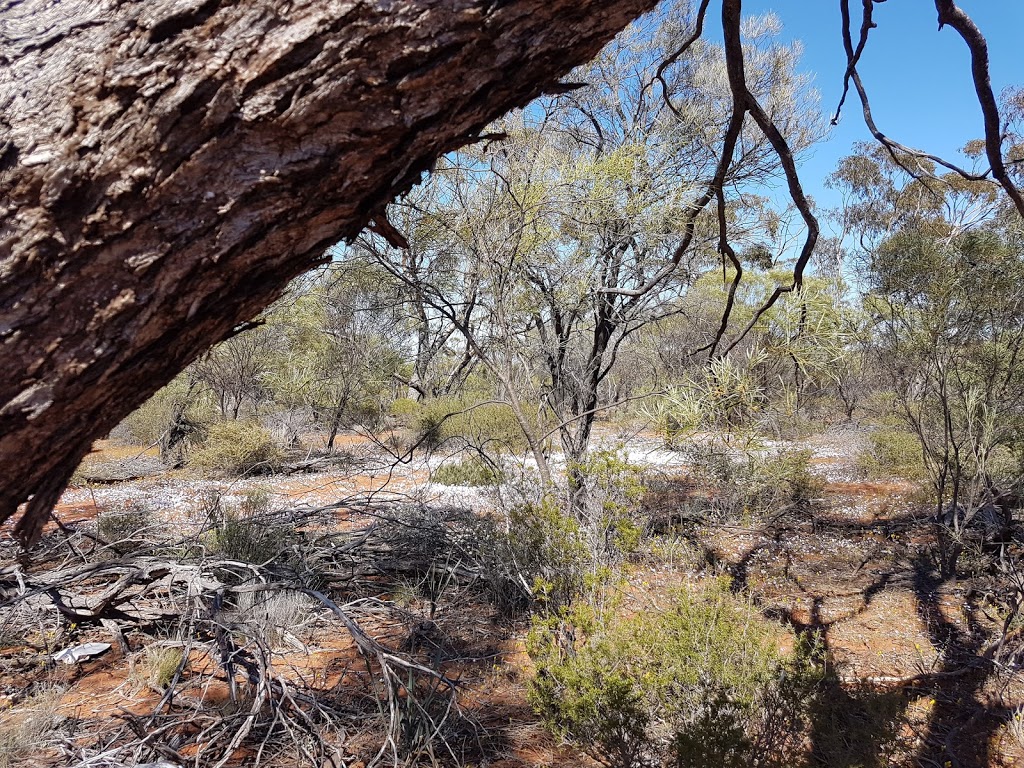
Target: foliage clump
{"points": [[125, 524], [474, 472], [754, 483], [893, 452], [489, 428], [702, 683], [243, 533], [610, 490], [237, 449]]}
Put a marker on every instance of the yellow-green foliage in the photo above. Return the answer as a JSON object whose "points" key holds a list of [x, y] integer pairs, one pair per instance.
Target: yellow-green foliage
{"points": [[774, 480], [689, 685], [404, 409], [755, 483], [547, 548], [237, 448], [241, 532], [158, 666], [491, 427], [473, 472], [614, 490], [120, 524], [147, 423], [893, 452]]}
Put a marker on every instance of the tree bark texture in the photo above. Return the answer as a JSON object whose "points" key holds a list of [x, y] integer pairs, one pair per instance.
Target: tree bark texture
{"points": [[167, 166]]}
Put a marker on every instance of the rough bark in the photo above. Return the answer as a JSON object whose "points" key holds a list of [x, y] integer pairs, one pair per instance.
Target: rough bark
{"points": [[167, 166]]}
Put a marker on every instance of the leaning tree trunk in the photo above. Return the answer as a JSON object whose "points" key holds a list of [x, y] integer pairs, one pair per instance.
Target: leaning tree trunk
{"points": [[167, 166]]}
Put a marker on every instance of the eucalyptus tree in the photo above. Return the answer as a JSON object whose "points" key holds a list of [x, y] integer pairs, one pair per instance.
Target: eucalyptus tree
{"points": [[942, 261], [340, 341], [546, 250]]}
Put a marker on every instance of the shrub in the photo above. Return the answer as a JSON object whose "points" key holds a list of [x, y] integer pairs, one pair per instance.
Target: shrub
{"points": [[488, 428], [404, 410], [773, 480], [157, 666], [237, 448], [533, 554], [698, 684], [755, 483], [148, 422], [25, 728], [611, 490], [121, 525], [893, 452], [242, 532], [473, 472]]}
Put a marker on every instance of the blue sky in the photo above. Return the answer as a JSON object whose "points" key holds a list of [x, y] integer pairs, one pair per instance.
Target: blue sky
{"points": [[918, 79]]}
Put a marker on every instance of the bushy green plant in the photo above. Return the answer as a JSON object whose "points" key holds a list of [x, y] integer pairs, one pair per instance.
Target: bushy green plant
{"points": [[688, 686], [542, 551], [488, 427], [119, 525], [474, 472], [241, 531], [157, 666], [237, 448], [404, 410], [149, 421], [776, 479], [612, 489], [893, 452], [754, 483]]}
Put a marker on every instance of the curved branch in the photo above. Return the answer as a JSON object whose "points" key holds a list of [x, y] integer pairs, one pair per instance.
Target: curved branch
{"points": [[894, 148], [951, 14], [678, 53]]}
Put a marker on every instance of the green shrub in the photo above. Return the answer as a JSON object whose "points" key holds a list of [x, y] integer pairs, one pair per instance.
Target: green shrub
{"points": [[488, 428], [146, 424], [404, 410], [755, 483], [540, 557], [120, 525], [773, 480], [893, 452], [473, 472], [611, 490], [157, 666], [237, 448], [243, 533], [698, 684]]}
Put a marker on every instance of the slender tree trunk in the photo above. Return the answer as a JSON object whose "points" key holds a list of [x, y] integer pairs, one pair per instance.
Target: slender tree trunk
{"points": [[167, 166]]}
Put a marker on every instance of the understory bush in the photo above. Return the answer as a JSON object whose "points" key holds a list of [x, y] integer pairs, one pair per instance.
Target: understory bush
{"points": [[701, 684], [473, 472], [124, 524], [545, 549], [610, 491], [243, 532], [237, 448], [489, 428], [754, 483], [148, 423], [893, 452]]}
